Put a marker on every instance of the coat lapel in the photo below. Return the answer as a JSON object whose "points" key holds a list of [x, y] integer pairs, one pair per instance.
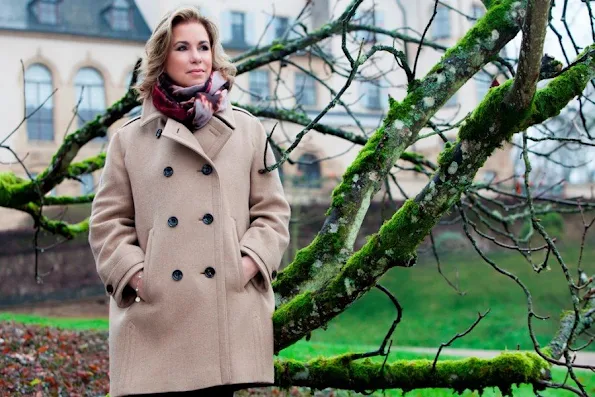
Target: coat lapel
{"points": [[206, 142]]}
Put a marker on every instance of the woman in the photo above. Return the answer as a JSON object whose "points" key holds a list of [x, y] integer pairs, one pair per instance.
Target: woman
{"points": [[186, 233]]}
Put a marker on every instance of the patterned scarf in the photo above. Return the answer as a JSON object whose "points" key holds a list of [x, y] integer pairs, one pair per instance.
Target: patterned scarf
{"points": [[192, 106]]}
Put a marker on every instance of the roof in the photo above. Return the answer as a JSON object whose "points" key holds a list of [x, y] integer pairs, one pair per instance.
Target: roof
{"points": [[90, 18]]}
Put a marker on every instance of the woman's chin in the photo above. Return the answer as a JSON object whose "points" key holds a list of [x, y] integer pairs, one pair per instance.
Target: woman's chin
{"points": [[195, 81]]}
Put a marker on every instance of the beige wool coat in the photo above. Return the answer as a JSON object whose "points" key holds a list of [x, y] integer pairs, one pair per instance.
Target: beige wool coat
{"points": [[185, 207]]}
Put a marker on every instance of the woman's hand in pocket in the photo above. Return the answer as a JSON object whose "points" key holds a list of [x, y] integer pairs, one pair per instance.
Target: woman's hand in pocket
{"points": [[250, 268], [136, 282]]}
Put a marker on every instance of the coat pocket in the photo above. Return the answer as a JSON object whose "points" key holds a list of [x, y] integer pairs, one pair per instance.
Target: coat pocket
{"points": [[146, 293], [237, 255]]}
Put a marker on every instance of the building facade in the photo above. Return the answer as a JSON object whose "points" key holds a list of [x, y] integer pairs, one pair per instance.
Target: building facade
{"points": [[62, 55]]}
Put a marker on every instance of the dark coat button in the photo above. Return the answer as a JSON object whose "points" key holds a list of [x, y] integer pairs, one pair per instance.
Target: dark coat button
{"points": [[177, 275], [109, 289], [158, 133], [168, 171], [210, 272], [207, 219], [274, 274], [172, 221], [207, 169]]}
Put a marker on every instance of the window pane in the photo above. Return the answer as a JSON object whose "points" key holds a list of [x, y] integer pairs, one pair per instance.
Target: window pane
{"points": [[308, 172], [281, 25], [88, 185], [305, 89], [120, 19], [477, 11], [47, 12], [259, 85], [441, 24], [372, 93], [38, 88], [483, 80], [89, 89], [237, 26]]}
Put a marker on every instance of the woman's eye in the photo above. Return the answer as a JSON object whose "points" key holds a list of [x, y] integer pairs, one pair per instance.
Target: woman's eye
{"points": [[181, 48], [204, 48]]}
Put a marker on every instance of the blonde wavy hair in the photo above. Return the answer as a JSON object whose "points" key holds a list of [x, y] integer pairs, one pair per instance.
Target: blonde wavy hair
{"points": [[159, 43]]}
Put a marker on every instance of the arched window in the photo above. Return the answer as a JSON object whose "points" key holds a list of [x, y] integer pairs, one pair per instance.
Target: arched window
{"points": [[38, 88], [90, 90], [308, 172]]}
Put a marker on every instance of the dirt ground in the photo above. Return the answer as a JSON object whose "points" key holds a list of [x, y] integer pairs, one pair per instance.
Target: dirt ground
{"points": [[83, 308]]}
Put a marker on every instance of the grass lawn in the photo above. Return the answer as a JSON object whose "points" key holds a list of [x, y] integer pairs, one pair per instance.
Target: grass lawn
{"points": [[308, 350], [433, 312]]}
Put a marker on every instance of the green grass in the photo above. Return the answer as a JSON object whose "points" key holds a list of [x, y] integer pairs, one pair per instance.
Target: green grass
{"points": [[433, 312], [304, 351], [65, 323]]}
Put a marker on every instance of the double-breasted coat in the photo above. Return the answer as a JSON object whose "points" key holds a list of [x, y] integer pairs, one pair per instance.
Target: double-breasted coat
{"points": [[185, 207]]}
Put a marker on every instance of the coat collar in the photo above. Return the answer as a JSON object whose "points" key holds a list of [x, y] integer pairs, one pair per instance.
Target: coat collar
{"points": [[207, 142]]}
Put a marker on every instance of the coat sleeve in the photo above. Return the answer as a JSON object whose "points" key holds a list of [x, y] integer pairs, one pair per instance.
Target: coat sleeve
{"points": [[267, 237], [112, 232]]}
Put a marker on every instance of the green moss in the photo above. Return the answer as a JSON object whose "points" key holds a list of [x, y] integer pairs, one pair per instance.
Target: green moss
{"points": [[549, 101], [300, 270], [446, 156], [277, 47], [497, 18], [467, 374], [86, 166], [12, 189]]}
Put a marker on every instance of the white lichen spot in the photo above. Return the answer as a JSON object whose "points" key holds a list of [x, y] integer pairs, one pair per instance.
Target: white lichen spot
{"points": [[355, 178], [453, 190], [452, 70], [389, 252], [432, 186], [373, 176], [317, 264], [492, 128], [429, 101], [413, 219], [412, 106], [383, 262], [442, 177], [495, 35], [360, 272], [344, 251], [453, 167], [454, 377], [440, 78], [348, 286], [399, 124], [315, 310], [302, 375], [333, 228]]}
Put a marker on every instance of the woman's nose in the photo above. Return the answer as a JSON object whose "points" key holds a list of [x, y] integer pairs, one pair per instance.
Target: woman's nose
{"points": [[195, 56]]}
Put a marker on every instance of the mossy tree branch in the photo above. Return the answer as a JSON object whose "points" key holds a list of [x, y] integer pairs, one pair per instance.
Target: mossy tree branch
{"points": [[396, 242], [342, 372], [318, 263]]}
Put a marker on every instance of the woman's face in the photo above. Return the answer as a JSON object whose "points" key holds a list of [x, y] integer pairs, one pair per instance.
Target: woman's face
{"points": [[189, 60]]}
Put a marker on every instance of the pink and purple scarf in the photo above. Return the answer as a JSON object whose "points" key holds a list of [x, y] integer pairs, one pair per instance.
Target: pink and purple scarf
{"points": [[192, 106]]}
